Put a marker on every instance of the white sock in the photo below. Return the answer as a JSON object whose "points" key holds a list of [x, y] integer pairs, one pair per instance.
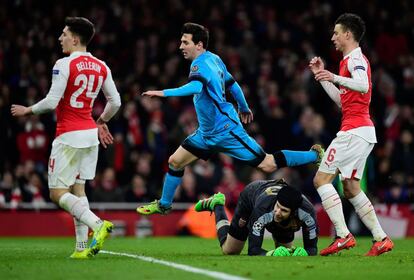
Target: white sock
{"points": [[77, 209], [366, 213], [81, 229], [332, 204]]}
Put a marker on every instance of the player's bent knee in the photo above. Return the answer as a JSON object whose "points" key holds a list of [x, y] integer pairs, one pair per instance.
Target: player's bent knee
{"points": [[351, 191], [172, 161], [232, 246], [230, 251], [316, 181], [347, 194], [320, 180], [56, 194], [54, 197]]}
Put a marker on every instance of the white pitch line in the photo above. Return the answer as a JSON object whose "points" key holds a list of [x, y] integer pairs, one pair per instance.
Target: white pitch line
{"points": [[213, 274]]}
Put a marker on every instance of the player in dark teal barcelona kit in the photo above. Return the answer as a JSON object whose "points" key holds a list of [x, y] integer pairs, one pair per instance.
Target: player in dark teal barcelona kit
{"points": [[220, 126]]}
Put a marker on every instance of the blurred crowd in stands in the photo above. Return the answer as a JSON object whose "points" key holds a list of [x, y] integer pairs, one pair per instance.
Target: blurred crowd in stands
{"points": [[266, 45]]}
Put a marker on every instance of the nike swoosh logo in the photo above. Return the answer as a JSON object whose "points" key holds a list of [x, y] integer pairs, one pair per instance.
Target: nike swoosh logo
{"points": [[382, 245], [343, 243]]}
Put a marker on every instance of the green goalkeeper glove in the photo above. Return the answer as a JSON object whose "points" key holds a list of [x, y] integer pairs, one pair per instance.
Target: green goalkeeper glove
{"points": [[300, 252], [279, 252]]}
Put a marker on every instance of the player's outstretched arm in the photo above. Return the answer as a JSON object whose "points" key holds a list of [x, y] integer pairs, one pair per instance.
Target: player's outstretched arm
{"points": [[20, 110], [193, 87], [152, 93]]}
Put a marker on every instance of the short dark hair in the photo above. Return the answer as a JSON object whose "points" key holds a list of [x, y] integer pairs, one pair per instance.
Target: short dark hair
{"points": [[290, 197], [199, 32], [353, 23], [82, 27]]}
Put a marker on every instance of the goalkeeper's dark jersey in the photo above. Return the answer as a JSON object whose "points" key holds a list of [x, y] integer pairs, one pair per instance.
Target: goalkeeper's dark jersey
{"points": [[256, 205]]}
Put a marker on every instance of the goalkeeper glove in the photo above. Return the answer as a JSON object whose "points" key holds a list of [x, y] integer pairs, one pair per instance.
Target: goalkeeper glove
{"points": [[300, 252], [279, 252]]}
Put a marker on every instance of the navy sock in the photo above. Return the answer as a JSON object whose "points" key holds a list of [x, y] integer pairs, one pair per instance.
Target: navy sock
{"points": [[172, 179], [222, 223], [219, 213]]}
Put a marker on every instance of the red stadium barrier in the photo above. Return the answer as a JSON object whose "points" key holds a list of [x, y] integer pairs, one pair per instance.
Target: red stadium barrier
{"points": [[59, 223], [397, 221]]}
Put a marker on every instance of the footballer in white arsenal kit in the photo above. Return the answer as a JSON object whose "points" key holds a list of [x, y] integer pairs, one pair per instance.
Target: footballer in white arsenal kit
{"points": [[348, 152], [76, 82]]}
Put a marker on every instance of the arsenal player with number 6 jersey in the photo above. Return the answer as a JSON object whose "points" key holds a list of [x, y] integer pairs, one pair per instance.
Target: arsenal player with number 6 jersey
{"points": [[348, 152], [76, 81]]}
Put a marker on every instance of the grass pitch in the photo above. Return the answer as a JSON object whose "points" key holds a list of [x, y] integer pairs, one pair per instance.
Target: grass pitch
{"points": [[47, 258]]}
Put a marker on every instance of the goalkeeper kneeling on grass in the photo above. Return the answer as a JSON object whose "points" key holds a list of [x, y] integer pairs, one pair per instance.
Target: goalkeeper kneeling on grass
{"points": [[271, 205]]}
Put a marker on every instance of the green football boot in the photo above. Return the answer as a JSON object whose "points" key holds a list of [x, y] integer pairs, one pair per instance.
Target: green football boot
{"points": [[208, 204], [319, 151], [154, 208], [99, 238], [85, 254]]}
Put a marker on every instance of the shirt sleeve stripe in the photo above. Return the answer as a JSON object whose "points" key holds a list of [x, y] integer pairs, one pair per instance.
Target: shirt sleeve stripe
{"points": [[196, 77]]}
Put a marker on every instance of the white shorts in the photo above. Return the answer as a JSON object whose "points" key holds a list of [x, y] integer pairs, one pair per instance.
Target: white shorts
{"points": [[348, 154], [68, 165]]}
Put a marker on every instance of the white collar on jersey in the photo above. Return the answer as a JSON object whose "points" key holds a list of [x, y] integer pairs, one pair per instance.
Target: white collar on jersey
{"points": [[76, 53], [353, 51]]}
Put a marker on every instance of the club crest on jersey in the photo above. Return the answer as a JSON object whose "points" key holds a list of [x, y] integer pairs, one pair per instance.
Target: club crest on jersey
{"points": [[359, 67], [55, 72], [194, 68]]}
